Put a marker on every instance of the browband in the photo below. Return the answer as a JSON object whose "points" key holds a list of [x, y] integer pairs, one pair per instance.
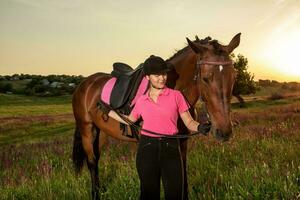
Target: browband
{"points": [[205, 62]]}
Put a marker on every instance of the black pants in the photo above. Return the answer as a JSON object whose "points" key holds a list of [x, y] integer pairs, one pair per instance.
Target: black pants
{"points": [[160, 158]]}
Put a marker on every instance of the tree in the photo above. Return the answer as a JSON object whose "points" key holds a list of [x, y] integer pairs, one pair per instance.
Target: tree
{"points": [[244, 83]]}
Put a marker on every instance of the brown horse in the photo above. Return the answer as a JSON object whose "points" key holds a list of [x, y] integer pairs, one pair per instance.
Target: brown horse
{"points": [[202, 69]]}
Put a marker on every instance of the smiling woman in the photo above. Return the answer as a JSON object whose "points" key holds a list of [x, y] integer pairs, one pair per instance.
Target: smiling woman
{"points": [[282, 53]]}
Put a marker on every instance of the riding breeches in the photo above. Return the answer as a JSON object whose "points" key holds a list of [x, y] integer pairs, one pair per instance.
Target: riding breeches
{"points": [[160, 158]]}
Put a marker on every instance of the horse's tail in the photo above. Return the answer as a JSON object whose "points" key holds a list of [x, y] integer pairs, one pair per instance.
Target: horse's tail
{"points": [[78, 155]]}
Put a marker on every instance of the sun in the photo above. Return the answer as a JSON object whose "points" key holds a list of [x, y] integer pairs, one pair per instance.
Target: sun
{"points": [[283, 53]]}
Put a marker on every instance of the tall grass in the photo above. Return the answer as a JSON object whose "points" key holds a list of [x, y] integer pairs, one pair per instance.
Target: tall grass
{"points": [[261, 161]]}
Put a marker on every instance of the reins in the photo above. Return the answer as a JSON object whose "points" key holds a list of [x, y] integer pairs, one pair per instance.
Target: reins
{"points": [[176, 136]]}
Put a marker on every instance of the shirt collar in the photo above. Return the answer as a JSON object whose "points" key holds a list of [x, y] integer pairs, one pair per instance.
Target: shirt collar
{"points": [[164, 92]]}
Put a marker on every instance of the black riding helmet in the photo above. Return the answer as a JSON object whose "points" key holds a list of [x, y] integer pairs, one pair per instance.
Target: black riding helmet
{"points": [[155, 65]]}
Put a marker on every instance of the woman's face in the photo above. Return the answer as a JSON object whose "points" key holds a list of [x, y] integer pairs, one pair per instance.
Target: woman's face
{"points": [[157, 81]]}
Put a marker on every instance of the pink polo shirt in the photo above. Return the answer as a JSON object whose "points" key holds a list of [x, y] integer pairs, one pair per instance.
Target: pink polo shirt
{"points": [[160, 117]]}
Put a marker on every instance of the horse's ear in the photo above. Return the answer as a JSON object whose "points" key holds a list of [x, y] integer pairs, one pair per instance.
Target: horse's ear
{"points": [[192, 45], [233, 43], [196, 48], [197, 39]]}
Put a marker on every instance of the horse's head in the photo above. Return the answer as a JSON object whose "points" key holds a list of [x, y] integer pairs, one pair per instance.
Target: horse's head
{"points": [[215, 76]]}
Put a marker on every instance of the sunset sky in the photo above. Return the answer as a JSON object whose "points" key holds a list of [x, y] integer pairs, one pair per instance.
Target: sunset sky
{"points": [[86, 36]]}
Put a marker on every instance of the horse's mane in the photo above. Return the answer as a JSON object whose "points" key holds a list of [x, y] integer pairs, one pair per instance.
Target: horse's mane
{"points": [[206, 41]]}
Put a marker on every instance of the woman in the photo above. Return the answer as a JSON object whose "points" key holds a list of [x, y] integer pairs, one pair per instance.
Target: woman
{"points": [[159, 157]]}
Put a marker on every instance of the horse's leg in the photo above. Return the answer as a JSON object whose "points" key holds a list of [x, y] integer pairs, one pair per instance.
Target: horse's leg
{"points": [[90, 146], [96, 148], [78, 154], [183, 147]]}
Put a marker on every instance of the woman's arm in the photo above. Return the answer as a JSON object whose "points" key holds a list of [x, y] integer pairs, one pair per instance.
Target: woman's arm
{"points": [[192, 125], [188, 121], [115, 116], [106, 109]]}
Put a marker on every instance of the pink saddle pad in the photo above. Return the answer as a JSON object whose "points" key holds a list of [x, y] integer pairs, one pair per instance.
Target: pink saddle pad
{"points": [[109, 85]]}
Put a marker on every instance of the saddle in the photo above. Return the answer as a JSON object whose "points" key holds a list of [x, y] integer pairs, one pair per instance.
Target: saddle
{"points": [[126, 86], [121, 68]]}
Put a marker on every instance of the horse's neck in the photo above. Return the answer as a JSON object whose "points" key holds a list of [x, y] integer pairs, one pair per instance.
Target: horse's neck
{"points": [[185, 66]]}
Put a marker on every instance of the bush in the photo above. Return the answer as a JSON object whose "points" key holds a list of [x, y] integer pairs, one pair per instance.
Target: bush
{"points": [[29, 91], [34, 85], [40, 88], [276, 96], [6, 87]]}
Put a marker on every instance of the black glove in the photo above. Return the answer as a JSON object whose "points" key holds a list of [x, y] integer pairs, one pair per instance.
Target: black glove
{"points": [[204, 128], [105, 108]]}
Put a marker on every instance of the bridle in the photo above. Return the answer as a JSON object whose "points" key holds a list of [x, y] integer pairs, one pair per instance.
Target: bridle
{"points": [[207, 62], [198, 74]]}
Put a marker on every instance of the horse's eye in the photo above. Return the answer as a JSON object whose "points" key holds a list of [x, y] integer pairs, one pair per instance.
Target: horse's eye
{"points": [[206, 79]]}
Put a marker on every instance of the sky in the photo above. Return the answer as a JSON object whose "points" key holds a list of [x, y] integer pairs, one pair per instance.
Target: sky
{"points": [[82, 37]]}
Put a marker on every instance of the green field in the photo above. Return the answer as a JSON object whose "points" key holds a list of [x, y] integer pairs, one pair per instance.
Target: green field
{"points": [[261, 161]]}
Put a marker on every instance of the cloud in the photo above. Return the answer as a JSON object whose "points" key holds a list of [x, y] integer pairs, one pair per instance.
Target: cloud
{"points": [[290, 22], [279, 2], [275, 10], [46, 4], [284, 16]]}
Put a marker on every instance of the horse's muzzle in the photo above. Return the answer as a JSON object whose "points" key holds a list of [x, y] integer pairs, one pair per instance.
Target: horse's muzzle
{"points": [[222, 136]]}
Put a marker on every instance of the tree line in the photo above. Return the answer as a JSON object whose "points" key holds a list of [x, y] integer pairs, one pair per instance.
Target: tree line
{"points": [[39, 85], [55, 85]]}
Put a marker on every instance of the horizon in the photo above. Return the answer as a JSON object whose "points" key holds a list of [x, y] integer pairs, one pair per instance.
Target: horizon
{"points": [[79, 37], [45, 75]]}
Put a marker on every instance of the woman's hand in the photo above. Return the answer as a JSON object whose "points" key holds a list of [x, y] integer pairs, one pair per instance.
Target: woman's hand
{"points": [[204, 128], [105, 108]]}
